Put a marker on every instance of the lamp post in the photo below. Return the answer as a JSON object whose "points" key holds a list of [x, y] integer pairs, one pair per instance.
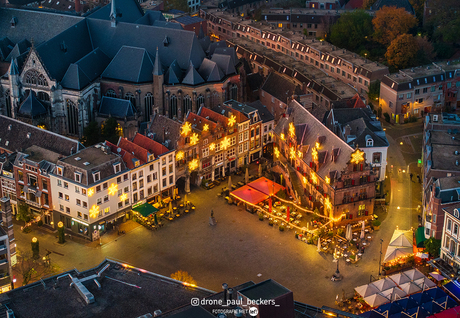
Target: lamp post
{"points": [[380, 259]]}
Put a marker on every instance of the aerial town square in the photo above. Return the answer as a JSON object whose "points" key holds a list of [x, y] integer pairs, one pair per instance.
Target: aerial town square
{"points": [[243, 158]]}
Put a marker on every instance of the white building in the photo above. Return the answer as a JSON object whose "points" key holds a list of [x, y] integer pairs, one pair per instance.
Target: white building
{"points": [[450, 246], [90, 190]]}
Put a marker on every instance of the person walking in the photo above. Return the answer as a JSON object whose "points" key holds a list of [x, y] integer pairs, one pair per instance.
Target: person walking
{"points": [[411, 175]]}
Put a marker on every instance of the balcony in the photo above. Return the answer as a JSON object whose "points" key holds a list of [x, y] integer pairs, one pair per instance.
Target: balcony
{"points": [[33, 203]]}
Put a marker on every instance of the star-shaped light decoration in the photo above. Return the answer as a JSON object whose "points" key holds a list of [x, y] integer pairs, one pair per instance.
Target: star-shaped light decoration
{"points": [[277, 153], [179, 155], [212, 146], [317, 145], [314, 154], [282, 136], [231, 121], [225, 143], [90, 192], [194, 139], [205, 127], [328, 180], [186, 128], [357, 156], [192, 165], [113, 189], [314, 178], [292, 130], [94, 211], [327, 204], [292, 153], [304, 180], [123, 197], [299, 154]]}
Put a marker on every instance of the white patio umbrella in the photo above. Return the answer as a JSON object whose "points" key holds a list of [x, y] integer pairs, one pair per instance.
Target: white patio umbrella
{"points": [[394, 252], [348, 234], [366, 290], [437, 276], [362, 231], [414, 274], [260, 170], [384, 284], [319, 244], [376, 300], [402, 238], [394, 293], [424, 283], [229, 186], [399, 278], [422, 255], [410, 288]]}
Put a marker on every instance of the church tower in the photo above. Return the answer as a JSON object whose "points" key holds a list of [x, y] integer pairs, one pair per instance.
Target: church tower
{"points": [[158, 80]]}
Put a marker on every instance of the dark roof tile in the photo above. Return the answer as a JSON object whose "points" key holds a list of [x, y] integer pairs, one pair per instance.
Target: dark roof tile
{"points": [[116, 107]]}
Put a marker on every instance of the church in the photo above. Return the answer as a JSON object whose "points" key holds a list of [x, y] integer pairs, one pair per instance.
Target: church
{"points": [[60, 71]]}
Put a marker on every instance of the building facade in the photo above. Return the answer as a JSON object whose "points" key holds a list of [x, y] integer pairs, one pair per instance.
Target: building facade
{"points": [[450, 248]]}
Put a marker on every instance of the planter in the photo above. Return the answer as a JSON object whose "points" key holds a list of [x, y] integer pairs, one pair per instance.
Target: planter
{"points": [[376, 228]]}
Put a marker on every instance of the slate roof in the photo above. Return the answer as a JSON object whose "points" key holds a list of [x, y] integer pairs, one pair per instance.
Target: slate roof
{"points": [[6, 46], [264, 113], [13, 134], [131, 64], [165, 129], [20, 48], [188, 20], [268, 289], [130, 11], [192, 77], [225, 62], [255, 81], [165, 24], [150, 17], [449, 182], [116, 107], [393, 3], [315, 129], [151, 145], [37, 25], [280, 87], [173, 74], [32, 107], [209, 71]]}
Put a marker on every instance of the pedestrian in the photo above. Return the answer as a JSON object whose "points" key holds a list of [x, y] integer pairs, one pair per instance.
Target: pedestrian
{"points": [[411, 176], [419, 180]]}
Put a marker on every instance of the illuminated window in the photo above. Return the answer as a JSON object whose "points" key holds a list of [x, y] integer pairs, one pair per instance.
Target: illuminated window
{"points": [[280, 25]]}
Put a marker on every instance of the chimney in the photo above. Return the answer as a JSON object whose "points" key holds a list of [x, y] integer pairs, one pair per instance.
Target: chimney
{"points": [[225, 287], [347, 131], [77, 6], [230, 294]]}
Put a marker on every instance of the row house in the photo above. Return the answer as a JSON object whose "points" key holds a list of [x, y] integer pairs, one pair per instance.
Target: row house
{"points": [[267, 126], [338, 63], [443, 194], [151, 166], [26, 174], [420, 90], [91, 189], [311, 86], [335, 177], [450, 246]]}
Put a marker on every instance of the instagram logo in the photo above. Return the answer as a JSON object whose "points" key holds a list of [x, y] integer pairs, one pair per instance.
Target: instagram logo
{"points": [[195, 301], [253, 311]]}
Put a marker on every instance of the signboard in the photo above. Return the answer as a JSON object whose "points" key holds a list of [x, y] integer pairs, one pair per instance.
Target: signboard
{"points": [[96, 235]]}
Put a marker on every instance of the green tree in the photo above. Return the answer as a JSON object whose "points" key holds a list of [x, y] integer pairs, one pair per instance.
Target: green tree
{"points": [[35, 244], [374, 90], [61, 233], [368, 3], [444, 20], [91, 134], [351, 30], [402, 51], [176, 4], [390, 22], [110, 130], [433, 246], [23, 212]]}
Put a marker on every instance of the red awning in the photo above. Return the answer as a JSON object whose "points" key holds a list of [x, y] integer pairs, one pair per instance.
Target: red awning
{"points": [[266, 186], [450, 313], [249, 195]]}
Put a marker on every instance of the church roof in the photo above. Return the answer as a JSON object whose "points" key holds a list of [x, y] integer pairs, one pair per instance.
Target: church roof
{"points": [[192, 77], [20, 48], [173, 74], [224, 62], [127, 11], [150, 17], [131, 64], [32, 107], [116, 107], [210, 71]]}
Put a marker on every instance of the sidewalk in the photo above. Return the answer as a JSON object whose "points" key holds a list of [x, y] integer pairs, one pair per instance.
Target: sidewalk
{"points": [[113, 234]]}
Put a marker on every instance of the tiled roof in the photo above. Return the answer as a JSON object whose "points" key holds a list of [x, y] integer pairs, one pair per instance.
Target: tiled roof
{"points": [[137, 151], [198, 122], [116, 107], [152, 146], [126, 156], [299, 115], [214, 116], [14, 136], [280, 87], [165, 129]]}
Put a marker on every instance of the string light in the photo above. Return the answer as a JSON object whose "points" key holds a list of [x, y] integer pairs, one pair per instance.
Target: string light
{"points": [[123, 197], [314, 178], [212, 146], [194, 139], [192, 165], [292, 153], [225, 143], [327, 179], [292, 130], [90, 192], [205, 127], [186, 128], [231, 121], [94, 211], [277, 152], [317, 145], [113, 189], [282, 136], [357, 156], [314, 154], [300, 154]]}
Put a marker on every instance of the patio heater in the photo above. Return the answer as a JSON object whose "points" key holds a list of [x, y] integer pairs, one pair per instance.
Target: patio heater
{"points": [[380, 259]]}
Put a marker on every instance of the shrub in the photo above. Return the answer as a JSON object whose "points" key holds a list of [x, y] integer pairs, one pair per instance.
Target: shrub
{"points": [[40, 223], [330, 233], [339, 231], [261, 216], [387, 117], [270, 222], [376, 223], [310, 241], [296, 235], [281, 228]]}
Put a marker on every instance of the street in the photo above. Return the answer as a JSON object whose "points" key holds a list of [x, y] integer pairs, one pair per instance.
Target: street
{"points": [[242, 248]]}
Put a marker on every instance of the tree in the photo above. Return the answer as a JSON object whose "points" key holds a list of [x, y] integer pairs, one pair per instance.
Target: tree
{"points": [[426, 51], [367, 4], [110, 130], [402, 51], [433, 246], [35, 244], [176, 4], [61, 233], [23, 212], [183, 276], [390, 22], [351, 30], [91, 134], [31, 269], [374, 90], [444, 20], [418, 6]]}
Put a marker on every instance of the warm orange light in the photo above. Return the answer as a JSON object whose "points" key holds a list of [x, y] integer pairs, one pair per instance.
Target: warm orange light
{"points": [[292, 153], [123, 197], [277, 153], [212, 146], [94, 211], [186, 128], [179, 155], [314, 178], [225, 143], [327, 204], [328, 180], [34, 239], [282, 136], [357, 156], [304, 180], [299, 154], [232, 120], [314, 154], [292, 130], [192, 165], [113, 189], [90, 192], [194, 139], [205, 127], [317, 145]]}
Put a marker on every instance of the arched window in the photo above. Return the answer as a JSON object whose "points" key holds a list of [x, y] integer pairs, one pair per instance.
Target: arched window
{"points": [[369, 141], [173, 109], [148, 101], [131, 98], [8, 103], [72, 117], [43, 96], [110, 93], [200, 101], [234, 92], [187, 105], [35, 78]]}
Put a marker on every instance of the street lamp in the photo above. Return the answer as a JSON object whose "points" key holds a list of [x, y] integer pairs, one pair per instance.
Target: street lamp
{"points": [[380, 259]]}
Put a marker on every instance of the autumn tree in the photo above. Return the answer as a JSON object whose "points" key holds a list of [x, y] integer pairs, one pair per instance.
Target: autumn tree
{"points": [[402, 51], [351, 30], [390, 22], [367, 4]]}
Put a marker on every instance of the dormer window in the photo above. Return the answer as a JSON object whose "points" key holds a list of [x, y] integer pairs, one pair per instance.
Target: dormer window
{"points": [[13, 22], [369, 142], [59, 171], [96, 176], [117, 167], [77, 177], [151, 157], [456, 214]]}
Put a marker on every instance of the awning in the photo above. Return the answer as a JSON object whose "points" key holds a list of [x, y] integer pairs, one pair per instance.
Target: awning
{"points": [[453, 288], [402, 238], [266, 186], [394, 252], [249, 195], [420, 237], [145, 209]]}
